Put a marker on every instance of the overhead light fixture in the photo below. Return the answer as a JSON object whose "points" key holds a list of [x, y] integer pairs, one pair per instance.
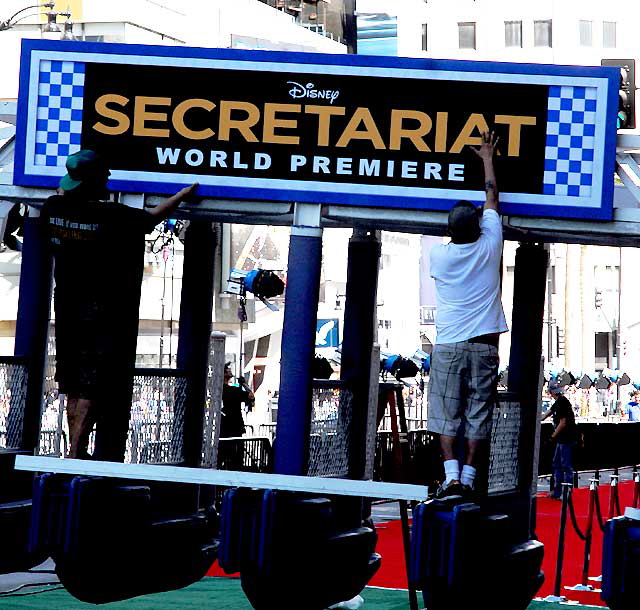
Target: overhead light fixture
{"points": [[566, 378], [68, 31], [51, 27], [624, 379], [264, 284], [398, 366], [585, 382]]}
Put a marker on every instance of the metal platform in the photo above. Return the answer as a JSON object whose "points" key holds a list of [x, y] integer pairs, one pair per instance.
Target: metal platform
{"points": [[224, 478]]}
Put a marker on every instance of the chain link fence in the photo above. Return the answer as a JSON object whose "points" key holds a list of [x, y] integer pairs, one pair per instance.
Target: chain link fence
{"points": [[54, 432], [329, 435], [213, 406], [13, 396], [157, 417]]}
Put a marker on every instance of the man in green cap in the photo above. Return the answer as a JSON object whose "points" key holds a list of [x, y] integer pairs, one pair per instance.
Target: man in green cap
{"points": [[98, 250]]}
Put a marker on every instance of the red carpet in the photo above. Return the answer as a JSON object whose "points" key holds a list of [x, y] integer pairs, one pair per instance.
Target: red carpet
{"points": [[392, 573], [548, 528]]}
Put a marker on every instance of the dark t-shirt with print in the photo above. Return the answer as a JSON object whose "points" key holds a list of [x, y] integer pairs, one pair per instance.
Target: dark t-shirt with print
{"points": [[562, 409], [98, 250]]}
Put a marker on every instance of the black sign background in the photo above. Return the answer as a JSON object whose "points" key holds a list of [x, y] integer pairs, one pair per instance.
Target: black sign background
{"points": [[523, 174]]}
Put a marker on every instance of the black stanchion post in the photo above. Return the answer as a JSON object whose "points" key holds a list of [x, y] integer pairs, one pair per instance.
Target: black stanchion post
{"points": [[557, 597], [575, 479], [613, 492], [584, 586], [615, 488]]}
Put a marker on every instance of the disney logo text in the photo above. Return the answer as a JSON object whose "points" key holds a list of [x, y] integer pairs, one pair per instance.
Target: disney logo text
{"points": [[299, 91]]}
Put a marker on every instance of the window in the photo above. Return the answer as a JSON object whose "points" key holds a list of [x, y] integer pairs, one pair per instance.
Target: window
{"points": [[586, 33], [609, 34], [513, 34], [542, 34], [425, 45], [262, 350], [602, 348], [467, 35]]}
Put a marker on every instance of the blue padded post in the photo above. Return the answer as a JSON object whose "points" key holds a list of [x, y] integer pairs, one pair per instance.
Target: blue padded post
{"points": [[32, 328], [291, 451], [359, 335], [530, 281], [196, 306]]}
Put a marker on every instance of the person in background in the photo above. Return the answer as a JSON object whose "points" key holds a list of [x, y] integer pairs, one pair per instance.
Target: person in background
{"points": [[633, 407], [231, 446], [565, 435], [231, 422], [97, 249]]}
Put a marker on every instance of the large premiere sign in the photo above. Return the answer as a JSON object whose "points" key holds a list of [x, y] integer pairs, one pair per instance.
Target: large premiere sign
{"points": [[374, 131]]}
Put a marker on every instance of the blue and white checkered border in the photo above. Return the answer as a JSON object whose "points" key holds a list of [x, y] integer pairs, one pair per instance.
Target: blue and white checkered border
{"points": [[570, 146], [59, 113]]}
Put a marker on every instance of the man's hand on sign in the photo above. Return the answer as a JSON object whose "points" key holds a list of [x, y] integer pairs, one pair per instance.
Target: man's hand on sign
{"points": [[489, 143], [164, 209], [187, 191]]}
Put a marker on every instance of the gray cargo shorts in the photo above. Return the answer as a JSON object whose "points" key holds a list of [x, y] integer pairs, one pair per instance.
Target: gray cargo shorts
{"points": [[462, 387]]}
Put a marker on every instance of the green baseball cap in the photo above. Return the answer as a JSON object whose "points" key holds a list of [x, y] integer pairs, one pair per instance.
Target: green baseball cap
{"points": [[84, 166]]}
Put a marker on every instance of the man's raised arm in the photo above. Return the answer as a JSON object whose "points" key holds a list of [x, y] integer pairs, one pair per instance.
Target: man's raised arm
{"points": [[486, 152], [164, 209]]}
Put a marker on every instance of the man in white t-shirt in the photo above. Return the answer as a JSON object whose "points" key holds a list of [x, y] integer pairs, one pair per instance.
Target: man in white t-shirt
{"points": [[469, 320]]}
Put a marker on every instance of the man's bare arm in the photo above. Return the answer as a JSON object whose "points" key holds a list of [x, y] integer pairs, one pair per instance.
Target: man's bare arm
{"points": [[486, 152], [163, 210]]}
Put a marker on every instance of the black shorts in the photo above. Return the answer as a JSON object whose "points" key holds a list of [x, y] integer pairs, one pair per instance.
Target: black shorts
{"points": [[89, 350]]}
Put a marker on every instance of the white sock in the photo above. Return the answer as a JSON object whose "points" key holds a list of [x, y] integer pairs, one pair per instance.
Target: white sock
{"points": [[468, 475], [451, 471]]}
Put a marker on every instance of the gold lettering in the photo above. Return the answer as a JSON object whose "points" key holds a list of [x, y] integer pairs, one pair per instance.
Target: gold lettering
{"points": [[122, 120], [271, 123], [324, 120], [142, 115], [178, 119], [242, 125], [398, 132], [351, 132], [442, 119], [515, 123], [474, 122]]}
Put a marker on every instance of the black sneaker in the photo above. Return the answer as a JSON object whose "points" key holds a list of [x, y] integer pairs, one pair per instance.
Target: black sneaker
{"points": [[453, 488], [469, 493]]}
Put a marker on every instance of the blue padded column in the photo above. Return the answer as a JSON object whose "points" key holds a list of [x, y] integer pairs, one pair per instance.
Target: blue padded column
{"points": [[529, 287], [196, 308], [32, 327], [359, 335], [291, 451]]}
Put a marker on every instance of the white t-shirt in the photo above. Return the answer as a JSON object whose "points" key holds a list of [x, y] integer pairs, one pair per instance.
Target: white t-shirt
{"points": [[467, 280]]}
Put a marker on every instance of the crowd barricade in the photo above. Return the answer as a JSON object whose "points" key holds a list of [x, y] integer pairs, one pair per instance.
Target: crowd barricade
{"points": [[247, 454], [594, 513], [621, 440]]}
